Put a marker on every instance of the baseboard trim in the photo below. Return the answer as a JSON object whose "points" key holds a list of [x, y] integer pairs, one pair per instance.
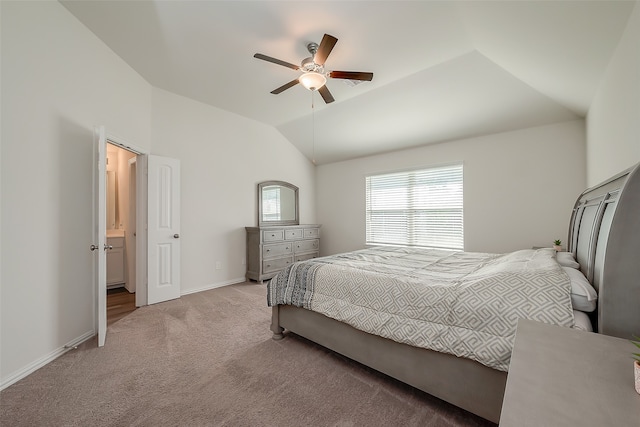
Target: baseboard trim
{"points": [[32, 367], [214, 286]]}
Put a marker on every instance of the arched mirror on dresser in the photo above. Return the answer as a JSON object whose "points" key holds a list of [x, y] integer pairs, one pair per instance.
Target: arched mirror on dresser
{"points": [[279, 239], [277, 203]]}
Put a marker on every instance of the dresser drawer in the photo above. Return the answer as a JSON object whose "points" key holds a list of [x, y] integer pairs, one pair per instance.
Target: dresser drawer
{"points": [[311, 232], [295, 234], [306, 245], [272, 248], [273, 235], [276, 250], [305, 257], [276, 264]]}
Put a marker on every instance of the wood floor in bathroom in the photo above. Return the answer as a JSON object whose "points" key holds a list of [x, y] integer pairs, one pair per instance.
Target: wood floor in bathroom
{"points": [[120, 302]]}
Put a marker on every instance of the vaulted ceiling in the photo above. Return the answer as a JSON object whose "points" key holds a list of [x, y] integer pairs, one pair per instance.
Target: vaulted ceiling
{"points": [[443, 70]]}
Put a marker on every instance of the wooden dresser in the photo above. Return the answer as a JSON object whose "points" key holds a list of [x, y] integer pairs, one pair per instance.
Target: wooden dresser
{"points": [[272, 248]]}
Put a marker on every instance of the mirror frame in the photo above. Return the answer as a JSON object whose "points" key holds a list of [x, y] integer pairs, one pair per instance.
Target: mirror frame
{"points": [[295, 221]]}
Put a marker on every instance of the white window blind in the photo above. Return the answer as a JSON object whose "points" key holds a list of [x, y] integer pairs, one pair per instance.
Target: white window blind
{"points": [[416, 208], [271, 204]]}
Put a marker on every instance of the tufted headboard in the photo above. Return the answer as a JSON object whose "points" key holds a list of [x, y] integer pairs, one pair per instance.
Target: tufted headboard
{"points": [[604, 236]]}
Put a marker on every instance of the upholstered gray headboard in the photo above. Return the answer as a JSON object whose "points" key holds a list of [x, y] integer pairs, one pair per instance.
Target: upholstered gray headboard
{"points": [[604, 235]]}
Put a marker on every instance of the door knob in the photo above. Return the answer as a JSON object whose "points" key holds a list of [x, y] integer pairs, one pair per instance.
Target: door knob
{"points": [[176, 236], [108, 247], [93, 247]]}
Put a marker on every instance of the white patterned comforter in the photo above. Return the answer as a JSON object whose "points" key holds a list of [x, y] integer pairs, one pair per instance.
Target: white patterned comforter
{"points": [[463, 303]]}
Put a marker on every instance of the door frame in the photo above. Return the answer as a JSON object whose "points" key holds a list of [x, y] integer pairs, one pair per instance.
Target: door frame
{"points": [[141, 215], [133, 197], [142, 233]]}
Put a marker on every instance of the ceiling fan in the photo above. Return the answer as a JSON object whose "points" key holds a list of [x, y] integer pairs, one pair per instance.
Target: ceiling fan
{"points": [[314, 76]]}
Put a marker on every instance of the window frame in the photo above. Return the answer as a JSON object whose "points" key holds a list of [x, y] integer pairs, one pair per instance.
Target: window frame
{"points": [[429, 215]]}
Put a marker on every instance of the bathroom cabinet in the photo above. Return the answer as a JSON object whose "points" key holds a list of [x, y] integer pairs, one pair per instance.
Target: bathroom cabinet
{"points": [[115, 262]]}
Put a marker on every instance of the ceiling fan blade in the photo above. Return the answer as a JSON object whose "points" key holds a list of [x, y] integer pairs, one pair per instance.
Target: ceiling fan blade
{"points": [[276, 61], [326, 45], [284, 87], [351, 75], [326, 95]]}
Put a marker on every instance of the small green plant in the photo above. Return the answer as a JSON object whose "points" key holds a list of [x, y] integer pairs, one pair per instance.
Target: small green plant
{"points": [[637, 344], [557, 242]]}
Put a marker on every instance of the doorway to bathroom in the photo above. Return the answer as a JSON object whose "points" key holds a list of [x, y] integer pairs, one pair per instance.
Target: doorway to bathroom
{"points": [[150, 235], [121, 232]]}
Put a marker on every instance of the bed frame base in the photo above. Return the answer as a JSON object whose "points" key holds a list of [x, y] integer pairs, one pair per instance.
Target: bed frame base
{"points": [[459, 381], [604, 235]]}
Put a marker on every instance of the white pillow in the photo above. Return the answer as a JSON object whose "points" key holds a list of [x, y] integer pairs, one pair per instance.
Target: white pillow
{"points": [[582, 322], [566, 259], [583, 295]]}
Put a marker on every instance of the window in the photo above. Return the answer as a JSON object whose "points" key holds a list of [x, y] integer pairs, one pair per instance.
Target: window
{"points": [[271, 203], [416, 208]]}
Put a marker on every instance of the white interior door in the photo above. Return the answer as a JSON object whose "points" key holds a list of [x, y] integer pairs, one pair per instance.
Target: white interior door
{"points": [[141, 229], [99, 245], [163, 261]]}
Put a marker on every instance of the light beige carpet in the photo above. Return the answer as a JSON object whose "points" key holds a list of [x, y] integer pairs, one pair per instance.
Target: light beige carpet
{"points": [[207, 359]]}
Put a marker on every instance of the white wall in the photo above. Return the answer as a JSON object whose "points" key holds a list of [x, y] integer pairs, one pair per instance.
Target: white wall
{"points": [[519, 187], [123, 179], [223, 157], [118, 162], [58, 81], [613, 122]]}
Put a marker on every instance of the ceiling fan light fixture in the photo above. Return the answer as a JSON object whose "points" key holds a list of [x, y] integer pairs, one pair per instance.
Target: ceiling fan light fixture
{"points": [[314, 76], [312, 80]]}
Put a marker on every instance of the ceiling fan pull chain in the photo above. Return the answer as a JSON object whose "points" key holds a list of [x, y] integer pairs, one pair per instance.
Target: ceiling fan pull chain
{"points": [[313, 130]]}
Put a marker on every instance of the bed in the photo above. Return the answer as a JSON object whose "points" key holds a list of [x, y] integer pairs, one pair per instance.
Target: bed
{"points": [[462, 355]]}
